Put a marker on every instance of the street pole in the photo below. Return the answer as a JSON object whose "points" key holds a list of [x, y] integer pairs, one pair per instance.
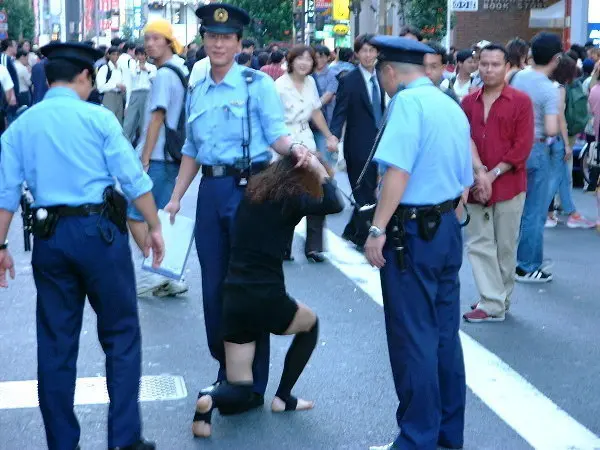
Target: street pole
{"points": [[382, 16], [448, 24], [97, 17]]}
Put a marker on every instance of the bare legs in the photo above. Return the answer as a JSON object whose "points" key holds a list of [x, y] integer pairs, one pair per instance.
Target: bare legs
{"points": [[239, 358]]}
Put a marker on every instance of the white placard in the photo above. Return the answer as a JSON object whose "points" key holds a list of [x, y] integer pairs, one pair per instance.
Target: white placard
{"points": [[465, 5], [178, 243]]}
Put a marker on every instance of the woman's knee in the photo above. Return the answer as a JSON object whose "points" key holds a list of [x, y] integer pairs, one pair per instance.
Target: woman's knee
{"points": [[304, 320]]}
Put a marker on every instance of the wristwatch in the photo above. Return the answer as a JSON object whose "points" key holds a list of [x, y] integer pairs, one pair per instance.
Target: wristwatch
{"points": [[497, 172], [4, 246], [375, 231]]}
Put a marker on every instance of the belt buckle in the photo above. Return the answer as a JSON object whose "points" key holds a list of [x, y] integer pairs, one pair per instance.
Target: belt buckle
{"points": [[218, 171], [413, 213]]}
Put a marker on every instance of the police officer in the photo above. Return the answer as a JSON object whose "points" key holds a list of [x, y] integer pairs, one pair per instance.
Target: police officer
{"points": [[81, 248], [416, 242], [234, 116]]}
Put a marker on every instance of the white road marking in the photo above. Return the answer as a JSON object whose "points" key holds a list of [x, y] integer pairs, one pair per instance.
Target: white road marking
{"points": [[92, 391], [536, 418]]}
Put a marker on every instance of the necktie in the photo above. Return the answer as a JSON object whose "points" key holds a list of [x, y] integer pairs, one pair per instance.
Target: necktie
{"points": [[376, 101]]}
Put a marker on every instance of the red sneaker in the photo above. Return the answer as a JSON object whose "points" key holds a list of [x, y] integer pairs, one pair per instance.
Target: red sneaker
{"points": [[479, 315]]}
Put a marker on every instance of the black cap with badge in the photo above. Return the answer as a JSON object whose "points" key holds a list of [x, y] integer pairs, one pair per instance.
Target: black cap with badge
{"points": [[77, 53], [399, 49], [222, 18]]}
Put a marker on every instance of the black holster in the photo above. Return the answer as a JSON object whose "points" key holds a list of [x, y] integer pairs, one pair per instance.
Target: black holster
{"points": [[45, 228], [115, 208]]}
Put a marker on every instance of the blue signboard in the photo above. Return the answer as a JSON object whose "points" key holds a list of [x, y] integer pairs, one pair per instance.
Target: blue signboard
{"points": [[594, 33]]}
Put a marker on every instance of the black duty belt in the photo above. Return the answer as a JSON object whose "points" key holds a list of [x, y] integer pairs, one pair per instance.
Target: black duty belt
{"points": [[89, 209], [218, 171], [408, 212]]}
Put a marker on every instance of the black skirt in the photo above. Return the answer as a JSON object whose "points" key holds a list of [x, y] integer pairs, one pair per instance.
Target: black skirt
{"points": [[249, 311]]}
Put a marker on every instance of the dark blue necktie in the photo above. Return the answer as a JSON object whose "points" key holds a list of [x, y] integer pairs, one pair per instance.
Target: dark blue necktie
{"points": [[376, 101]]}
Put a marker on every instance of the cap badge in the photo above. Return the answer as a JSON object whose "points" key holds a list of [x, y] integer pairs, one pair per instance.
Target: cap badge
{"points": [[221, 15]]}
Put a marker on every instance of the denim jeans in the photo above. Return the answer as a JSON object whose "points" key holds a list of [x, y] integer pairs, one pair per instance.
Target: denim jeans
{"points": [[163, 175], [560, 177], [330, 157], [530, 253]]}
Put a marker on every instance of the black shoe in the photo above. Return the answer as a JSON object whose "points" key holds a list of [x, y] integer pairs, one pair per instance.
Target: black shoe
{"points": [[287, 256], [316, 257], [258, 400], [139, 445]]}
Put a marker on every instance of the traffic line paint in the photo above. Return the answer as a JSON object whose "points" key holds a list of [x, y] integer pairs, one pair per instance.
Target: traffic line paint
{"points": [[92, 391], [536, 418]]}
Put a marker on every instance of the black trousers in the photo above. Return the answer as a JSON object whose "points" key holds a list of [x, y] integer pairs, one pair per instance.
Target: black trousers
{"points": [[314, 236], [355, 230]]}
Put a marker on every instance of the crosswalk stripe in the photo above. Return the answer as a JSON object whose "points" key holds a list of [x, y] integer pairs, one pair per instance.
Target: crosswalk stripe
{"points": [[536, 418]]}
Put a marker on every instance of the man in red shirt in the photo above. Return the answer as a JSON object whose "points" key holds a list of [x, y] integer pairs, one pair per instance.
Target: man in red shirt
{"points": [[274, 67], [502, 133]]}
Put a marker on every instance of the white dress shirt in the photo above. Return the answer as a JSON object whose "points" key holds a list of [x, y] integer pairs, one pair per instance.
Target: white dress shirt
{"points": [[367, 77], [116, 78], [24, 76], [141, 80]]}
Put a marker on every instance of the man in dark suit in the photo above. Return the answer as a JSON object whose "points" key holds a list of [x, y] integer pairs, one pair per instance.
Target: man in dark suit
{"points": [[360, 102]]}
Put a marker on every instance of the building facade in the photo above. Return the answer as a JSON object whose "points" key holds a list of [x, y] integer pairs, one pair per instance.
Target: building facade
{"points": [[500, 20]]}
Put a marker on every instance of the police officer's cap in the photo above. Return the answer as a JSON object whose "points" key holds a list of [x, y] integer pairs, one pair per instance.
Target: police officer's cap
{"points": [[75, 52], [400, 49], [222, 18]]}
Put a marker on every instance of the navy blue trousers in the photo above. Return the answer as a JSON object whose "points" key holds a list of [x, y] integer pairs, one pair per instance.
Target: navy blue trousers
{"points": [[73, 264], [218, 200], [422, 317]]}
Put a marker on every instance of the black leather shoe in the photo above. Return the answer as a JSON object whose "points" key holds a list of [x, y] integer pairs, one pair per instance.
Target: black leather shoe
{"points": [[315, 257], [139, 445], [287, 256]]}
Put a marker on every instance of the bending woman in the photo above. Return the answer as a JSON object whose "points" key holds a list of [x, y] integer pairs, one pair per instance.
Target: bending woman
{"points": [[255, 301]]}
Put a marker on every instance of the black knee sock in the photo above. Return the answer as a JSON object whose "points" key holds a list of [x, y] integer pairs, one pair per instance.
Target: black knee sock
{"points": [[296, 359]]}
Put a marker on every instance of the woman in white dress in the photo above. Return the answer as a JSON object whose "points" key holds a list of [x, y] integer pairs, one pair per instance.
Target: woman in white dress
{"points": [[302, 106]]}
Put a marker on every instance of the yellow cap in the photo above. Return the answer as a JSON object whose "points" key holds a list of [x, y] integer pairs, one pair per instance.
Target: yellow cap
{"points": [[164, 28]]}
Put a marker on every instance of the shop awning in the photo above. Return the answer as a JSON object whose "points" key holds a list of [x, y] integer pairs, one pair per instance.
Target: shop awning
{"points": [[550, 17]]}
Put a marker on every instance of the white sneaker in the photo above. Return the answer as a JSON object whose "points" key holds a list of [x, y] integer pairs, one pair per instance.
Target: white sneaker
{"points": [[389, 446], [170, 289], [551, 222], [147, 282]]}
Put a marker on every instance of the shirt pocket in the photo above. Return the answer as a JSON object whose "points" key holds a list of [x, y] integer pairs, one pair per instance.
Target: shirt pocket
{"points": [[236, 124], [199, 124]]}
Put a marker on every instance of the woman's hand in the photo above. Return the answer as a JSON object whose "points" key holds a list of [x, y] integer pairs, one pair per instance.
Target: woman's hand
{"points": [[332, 143]]}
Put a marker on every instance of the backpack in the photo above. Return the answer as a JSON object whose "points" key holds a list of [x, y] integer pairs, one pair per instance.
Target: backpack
{"points": [[95, 96], [591, 159], [576, 109], [175, 138]]}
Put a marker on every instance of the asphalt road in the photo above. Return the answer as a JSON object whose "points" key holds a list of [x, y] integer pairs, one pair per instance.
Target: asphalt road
{"points": [[550, 339]]}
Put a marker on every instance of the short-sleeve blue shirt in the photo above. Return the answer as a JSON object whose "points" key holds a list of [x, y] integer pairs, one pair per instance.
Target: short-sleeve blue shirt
{"points": [[217, 118], [428, 136], [68, 151]]}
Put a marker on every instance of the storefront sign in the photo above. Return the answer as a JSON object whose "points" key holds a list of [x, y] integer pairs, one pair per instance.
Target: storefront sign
{"points": [[341, 9], [513, 5], [465, 5], [594, 33], [310, 11]]}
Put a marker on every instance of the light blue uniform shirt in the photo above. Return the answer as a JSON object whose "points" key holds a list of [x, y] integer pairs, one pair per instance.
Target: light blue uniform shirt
{"points": [[428, 136], [217, 118], [68, 151]]}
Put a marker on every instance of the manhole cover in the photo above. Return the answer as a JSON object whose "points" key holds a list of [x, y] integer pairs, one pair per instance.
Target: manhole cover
{"points": [[92, 391]]}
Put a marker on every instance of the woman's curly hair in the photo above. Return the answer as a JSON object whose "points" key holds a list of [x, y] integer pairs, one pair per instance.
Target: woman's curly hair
{"points": [[283, 180]]}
